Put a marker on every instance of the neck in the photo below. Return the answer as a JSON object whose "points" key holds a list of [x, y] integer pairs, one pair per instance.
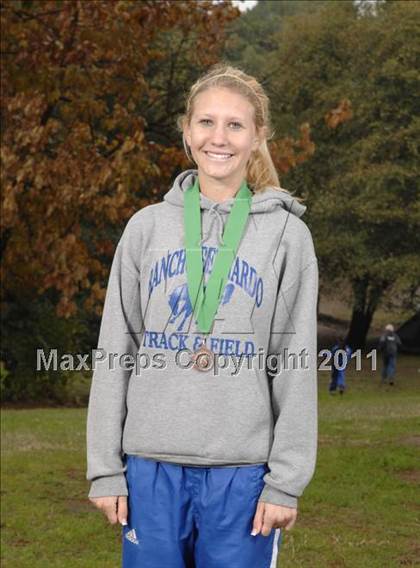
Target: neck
{"points": [[219, 191]]}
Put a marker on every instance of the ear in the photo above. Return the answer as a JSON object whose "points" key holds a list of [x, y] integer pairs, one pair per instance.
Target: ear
{"points": [[187, 132], [258, 139]]}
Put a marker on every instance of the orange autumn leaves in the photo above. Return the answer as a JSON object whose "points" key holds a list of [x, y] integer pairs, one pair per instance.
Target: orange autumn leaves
{"points": [[76, 160], [90, 95]]}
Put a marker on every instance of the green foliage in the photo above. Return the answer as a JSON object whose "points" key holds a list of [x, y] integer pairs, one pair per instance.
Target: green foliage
{"points": [[352, 74], [369, 195], [34, 325], [252, 39]]}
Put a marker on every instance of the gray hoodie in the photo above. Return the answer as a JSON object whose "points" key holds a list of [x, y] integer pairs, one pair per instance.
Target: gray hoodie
{"points": [[146, 400]]}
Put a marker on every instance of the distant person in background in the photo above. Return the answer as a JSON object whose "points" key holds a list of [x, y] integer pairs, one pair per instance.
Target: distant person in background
{"points": [[339, 365], [388, 345]]}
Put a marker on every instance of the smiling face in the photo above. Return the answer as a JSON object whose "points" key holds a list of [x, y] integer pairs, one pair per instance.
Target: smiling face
{"points": [[222, 135]]}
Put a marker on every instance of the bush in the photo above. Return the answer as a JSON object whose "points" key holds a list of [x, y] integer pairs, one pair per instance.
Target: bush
{"points": [[33, 325]]}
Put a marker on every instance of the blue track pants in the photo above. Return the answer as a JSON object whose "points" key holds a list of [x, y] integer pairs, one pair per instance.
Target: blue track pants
{"points": [[388, 368], [194, 517]]}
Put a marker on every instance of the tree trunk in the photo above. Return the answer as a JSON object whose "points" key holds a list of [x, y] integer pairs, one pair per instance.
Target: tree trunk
{"points": [[367, 296]]}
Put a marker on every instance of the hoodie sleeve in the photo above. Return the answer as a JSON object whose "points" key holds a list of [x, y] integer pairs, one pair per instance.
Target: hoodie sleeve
{"points": [[294, 389], [119, 334]]}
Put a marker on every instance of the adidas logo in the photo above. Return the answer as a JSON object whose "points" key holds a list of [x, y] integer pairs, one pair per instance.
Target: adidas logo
{"points": [[132, 537]]}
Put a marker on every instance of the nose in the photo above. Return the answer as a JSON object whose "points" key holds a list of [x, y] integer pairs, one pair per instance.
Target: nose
{"points": [[218, 137]]}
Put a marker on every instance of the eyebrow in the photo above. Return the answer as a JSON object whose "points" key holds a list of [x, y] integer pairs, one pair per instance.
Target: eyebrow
{"points": [[228, 118]]}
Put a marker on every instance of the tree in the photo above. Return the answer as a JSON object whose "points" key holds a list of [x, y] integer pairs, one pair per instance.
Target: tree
{"points": [[77, 159], [86, 112], [351, 75]]}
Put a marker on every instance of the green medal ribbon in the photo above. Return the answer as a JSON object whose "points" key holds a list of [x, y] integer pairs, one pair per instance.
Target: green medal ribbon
{"points": [[205, 300]]}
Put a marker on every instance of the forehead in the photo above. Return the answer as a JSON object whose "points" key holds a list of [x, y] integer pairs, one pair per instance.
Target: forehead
{"points": [[220, 101]]}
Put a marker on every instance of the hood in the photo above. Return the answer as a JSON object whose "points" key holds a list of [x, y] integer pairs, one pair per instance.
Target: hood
{"points": [[262, 202]]}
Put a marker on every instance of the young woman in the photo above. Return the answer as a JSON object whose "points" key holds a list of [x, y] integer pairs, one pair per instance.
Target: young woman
{"points": [[202, 419]]}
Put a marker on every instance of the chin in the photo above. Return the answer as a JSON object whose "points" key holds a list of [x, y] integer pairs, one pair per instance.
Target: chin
{"points": [[218, 172]]}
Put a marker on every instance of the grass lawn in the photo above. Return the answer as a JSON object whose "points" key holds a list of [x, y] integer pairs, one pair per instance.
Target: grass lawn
{"points": [[361, 510]]}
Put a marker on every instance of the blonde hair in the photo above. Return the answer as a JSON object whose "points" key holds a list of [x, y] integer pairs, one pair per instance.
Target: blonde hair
{"points": [[260, 169]]}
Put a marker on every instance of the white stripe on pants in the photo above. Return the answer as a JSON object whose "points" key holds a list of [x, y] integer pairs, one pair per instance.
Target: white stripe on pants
{"points": [[275, 548]]}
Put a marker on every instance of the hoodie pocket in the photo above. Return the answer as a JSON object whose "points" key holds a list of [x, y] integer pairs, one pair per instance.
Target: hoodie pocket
{"points": [[174, 412]]}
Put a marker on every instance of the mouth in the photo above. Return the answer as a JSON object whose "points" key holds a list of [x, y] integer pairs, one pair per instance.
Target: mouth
{"points": [[218, 156]]}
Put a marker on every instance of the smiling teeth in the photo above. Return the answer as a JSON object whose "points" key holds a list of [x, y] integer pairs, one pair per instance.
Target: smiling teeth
{"points": [[219, 156]]}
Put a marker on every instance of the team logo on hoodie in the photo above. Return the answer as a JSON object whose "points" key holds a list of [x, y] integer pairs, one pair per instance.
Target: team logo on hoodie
{"points": [[180, 304], [242, 275]]}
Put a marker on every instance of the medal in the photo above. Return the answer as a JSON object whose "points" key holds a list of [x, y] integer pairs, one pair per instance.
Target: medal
{"points": [[203, 358], [205, 302]]}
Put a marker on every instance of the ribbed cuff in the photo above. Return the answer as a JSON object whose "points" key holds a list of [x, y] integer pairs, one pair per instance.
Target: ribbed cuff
{"points": [[109, 486], [277, 497]]}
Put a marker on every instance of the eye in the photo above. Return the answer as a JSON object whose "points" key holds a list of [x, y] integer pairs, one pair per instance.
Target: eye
{"points": [[207, 121]]}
